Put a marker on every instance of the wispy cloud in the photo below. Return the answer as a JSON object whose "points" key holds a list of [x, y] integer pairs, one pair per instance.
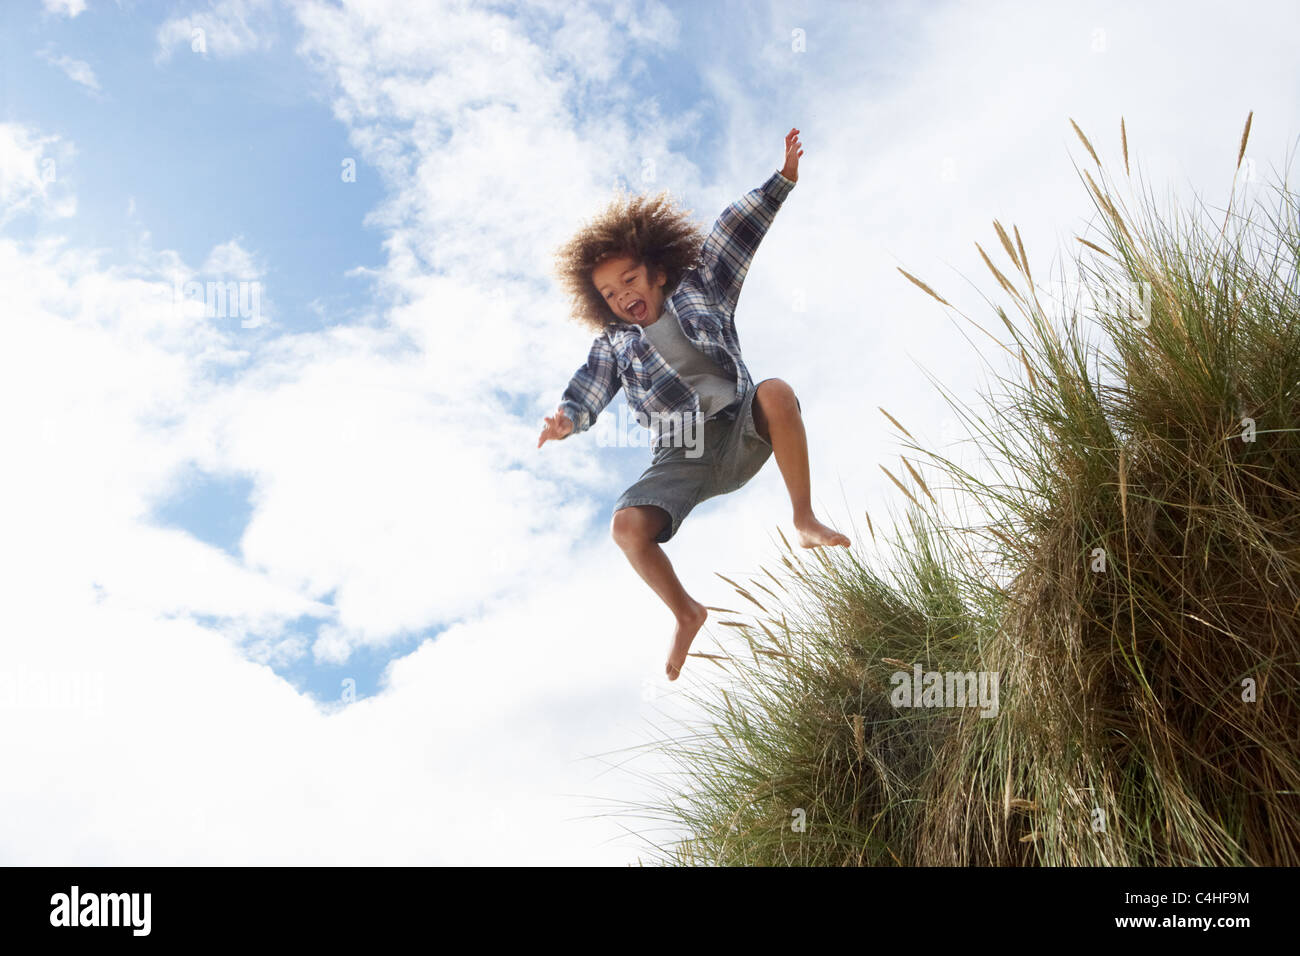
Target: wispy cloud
{"points": [[30, 166], [228, 28], [67, 8], [231, 258], [79, 71]]}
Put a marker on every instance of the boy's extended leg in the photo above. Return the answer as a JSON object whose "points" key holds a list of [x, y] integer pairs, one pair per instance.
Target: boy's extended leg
{"points": [[778, 419], [634, 530]]}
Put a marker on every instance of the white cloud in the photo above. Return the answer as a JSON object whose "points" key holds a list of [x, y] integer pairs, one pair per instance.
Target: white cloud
{"points": [[231, 258], [79, 71], [68, 8], [228, 28], [30, 174]]}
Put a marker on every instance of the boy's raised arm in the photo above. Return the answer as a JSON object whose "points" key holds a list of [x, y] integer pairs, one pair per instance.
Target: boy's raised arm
{"points": [[735, 236]]}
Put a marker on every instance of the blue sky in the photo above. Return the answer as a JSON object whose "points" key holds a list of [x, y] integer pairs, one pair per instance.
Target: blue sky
{"points": [[205, 150], [226, 523]]}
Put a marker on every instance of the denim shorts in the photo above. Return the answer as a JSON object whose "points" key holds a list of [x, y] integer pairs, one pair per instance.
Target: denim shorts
{"points": [[732, 452]]}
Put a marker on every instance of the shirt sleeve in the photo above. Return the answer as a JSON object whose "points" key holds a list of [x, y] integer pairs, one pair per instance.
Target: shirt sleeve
{"points": [[734, 239], [592, 387]]}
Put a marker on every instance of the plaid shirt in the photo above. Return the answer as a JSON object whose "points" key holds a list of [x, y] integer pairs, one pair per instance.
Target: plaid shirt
{"points": [[705, 301]]}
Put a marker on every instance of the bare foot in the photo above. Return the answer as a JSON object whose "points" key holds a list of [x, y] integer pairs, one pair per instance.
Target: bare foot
{"points": [[687, 628], [814, 534]]}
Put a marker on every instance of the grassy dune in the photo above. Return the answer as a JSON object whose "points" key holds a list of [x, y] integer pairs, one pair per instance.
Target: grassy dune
{"points": [[1132, 578]]}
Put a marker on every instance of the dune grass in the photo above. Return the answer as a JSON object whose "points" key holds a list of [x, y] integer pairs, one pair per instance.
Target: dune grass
{"points": [[1133, 578]]}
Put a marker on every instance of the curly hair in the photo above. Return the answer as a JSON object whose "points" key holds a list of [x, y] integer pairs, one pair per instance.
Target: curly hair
{"points": [[653, 230]]}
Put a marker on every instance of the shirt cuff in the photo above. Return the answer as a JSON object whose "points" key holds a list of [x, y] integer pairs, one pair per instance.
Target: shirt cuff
{"points": [[778, 187], [575, 413]]}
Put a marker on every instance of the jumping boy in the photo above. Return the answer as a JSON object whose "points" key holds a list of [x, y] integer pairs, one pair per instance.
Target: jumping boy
{"points": [[662, 297]]}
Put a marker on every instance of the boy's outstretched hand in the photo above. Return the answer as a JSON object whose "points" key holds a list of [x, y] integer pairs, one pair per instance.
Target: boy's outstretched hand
{"points": [[793, 150], [557, 426]]}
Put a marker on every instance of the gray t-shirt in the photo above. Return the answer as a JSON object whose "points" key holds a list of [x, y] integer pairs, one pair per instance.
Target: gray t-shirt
{"points": [[716, 391]]}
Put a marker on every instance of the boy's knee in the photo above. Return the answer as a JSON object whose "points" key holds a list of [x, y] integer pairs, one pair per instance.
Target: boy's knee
{"points": [[777, 397], [636, 526]]}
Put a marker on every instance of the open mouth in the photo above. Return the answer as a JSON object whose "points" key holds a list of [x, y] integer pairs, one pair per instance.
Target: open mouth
{"points": [[637, 309]]}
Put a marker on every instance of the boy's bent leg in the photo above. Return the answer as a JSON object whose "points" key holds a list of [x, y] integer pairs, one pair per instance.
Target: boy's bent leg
{"points": [[635, 529], [778, 419]]}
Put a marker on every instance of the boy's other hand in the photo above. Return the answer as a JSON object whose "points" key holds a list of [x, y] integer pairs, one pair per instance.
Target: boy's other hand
{"points": [[793, 150], [557, 426]]}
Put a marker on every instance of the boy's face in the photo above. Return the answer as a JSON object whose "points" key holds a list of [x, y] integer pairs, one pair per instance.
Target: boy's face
{"points": [[633, 292]]}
